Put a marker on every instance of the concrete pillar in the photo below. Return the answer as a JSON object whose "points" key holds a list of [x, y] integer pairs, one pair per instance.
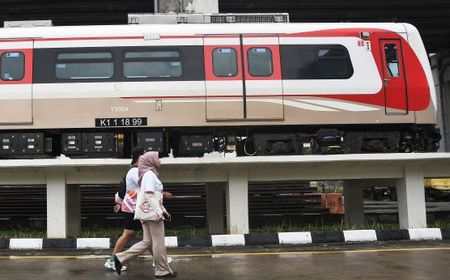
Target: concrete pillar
{"points": [[353, 203], [237, 201], [56, 204], [411, 198], [214, 196], [63, 206]]}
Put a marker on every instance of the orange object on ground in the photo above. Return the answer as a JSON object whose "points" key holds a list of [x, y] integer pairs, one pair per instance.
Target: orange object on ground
{"points": [[332, 201]]}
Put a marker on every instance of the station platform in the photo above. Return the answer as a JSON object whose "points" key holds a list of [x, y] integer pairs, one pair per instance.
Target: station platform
{"points": [[231, 175]]}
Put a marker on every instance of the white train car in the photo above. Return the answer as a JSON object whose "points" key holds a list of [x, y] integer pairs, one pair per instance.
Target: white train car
{"points": [[190, 89]]}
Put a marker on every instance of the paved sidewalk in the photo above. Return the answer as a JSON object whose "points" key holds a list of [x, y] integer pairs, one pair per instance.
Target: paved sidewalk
{"points": [[402, 261]]}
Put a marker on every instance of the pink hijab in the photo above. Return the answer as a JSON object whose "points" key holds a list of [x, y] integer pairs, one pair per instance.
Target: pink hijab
{"points": [[148, 162]]}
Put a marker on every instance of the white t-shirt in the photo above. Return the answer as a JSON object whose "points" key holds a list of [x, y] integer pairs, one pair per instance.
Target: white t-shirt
{"points": [[129, 200], [151, 183], [132, 179]]}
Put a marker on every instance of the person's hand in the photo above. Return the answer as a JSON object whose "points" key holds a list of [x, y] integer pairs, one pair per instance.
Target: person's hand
{"points": [[167, 195], [167, 216], [160, 218], [116, 208]]}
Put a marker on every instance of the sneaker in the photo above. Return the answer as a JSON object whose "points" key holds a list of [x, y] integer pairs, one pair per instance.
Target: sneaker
{"points": [[166, 276], [110, 265], [169, 260], [117, 264]]}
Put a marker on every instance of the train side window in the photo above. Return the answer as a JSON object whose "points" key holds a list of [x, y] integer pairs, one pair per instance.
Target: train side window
{"points": [[315, 62], [260, 62], [12, 66], [332, 62], [391, 54], [84, 66], [152, 64], [225, 62]]}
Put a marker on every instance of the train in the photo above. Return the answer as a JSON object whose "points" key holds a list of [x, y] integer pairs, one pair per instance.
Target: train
{"points": [[192, 89]]}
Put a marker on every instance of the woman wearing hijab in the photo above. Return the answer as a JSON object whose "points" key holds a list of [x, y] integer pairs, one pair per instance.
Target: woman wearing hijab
{"points": [[127, 206], [153, 230]]}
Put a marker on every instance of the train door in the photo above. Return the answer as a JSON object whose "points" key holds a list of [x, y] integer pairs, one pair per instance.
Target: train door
{"points": [[16, 60], [394, 80], [223, 76], [263, 86], [243, 77]]}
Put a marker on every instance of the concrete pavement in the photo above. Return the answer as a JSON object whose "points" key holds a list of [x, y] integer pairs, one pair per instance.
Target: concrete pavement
{"points": [[409, 262]]}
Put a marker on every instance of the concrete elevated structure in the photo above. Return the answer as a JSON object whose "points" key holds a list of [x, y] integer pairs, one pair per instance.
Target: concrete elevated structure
{"points": [[405, 171]]}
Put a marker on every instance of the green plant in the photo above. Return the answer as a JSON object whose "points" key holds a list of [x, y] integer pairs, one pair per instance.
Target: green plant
{"points": [[320, 225]]}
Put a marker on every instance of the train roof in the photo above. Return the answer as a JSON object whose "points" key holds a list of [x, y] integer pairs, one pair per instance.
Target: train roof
{"points": [[190, 29]]}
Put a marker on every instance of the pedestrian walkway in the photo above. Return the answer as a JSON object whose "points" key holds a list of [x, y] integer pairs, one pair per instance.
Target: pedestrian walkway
{"points": [[400, 263]]}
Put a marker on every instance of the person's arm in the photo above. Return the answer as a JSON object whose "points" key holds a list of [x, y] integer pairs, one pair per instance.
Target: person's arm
{"points": [[166, 214], [118, 202], [167, 195]]}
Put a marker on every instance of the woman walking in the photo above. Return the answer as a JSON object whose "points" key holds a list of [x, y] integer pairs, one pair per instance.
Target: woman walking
{"points": [[153, 229], [127, 206]]}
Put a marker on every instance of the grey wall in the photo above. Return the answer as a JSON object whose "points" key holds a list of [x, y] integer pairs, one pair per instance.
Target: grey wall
{"points": [[188, 6], [440, 64]]}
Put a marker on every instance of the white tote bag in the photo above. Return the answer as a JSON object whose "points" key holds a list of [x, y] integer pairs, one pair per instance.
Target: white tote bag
{"points": [[143, 210]]}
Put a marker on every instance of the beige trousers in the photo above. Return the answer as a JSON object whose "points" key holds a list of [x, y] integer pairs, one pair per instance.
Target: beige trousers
{"points": [[153, 241]]}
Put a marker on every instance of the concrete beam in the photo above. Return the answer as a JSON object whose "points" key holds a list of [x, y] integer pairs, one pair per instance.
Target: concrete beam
{"points": [[22, 177], [323, 172], [198, 175]]}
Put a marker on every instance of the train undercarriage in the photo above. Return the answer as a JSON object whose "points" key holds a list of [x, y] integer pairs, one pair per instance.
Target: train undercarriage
{"points": [[244, 141]]}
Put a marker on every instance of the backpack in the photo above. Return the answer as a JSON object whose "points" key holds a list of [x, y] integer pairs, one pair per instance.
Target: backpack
{"points": [[122, 189]]}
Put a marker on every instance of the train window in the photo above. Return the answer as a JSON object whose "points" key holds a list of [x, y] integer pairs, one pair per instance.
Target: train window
{"points": [[12, 66], [332, 62], [152, 64], [225, 62], [390, 51], [315, 62], [84, 66], [260, 62]]}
